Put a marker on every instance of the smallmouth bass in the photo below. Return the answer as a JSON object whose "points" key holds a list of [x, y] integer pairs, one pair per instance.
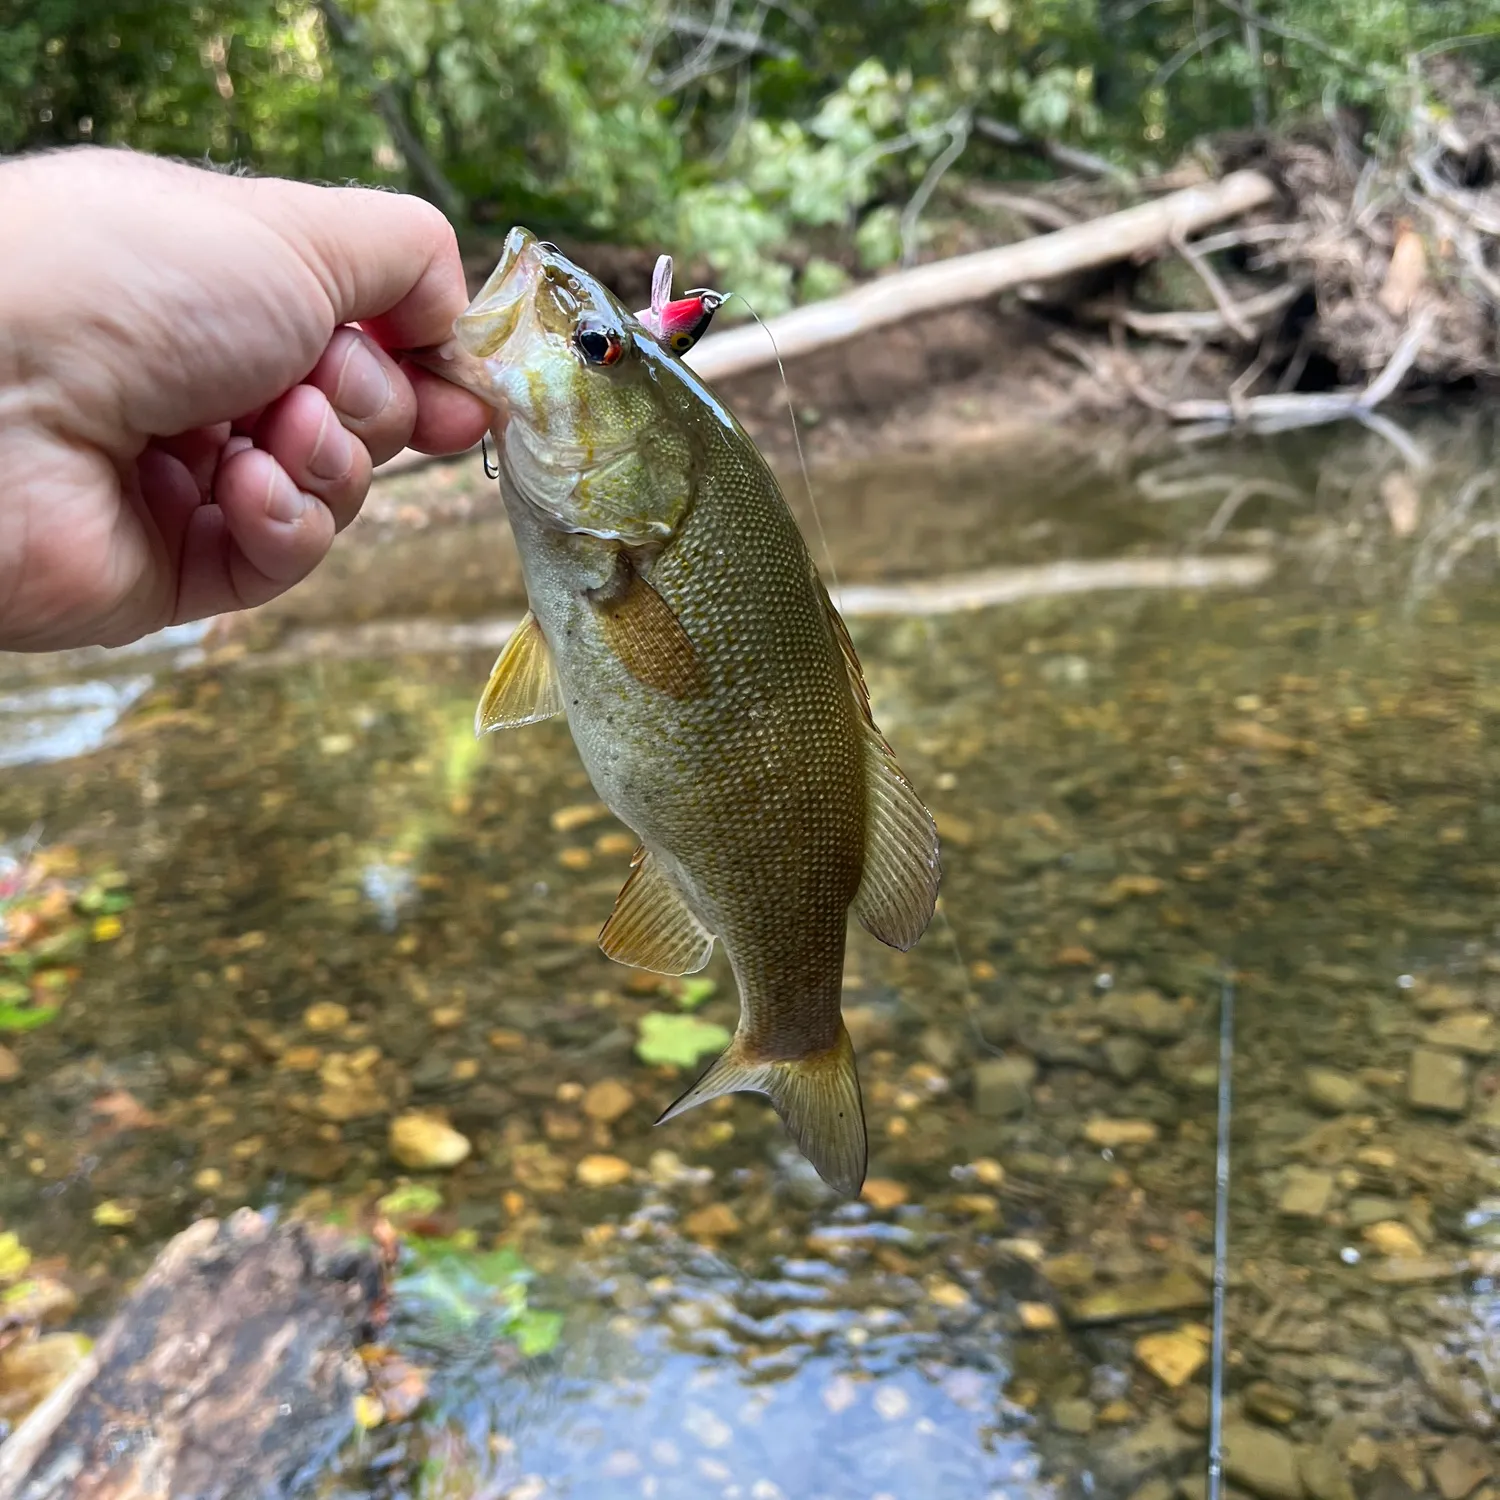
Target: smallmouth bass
{"points": [[713, 693]]}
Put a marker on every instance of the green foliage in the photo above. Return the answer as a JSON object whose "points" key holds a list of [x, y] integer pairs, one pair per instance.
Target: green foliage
{"points": [[678, 1041], [25, 1017], [412, 1200], [14, 1256], [779, 150]]}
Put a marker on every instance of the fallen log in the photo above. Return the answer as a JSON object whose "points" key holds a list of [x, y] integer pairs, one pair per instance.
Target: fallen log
{"points": [[985, 273], [964, 278], [231, 1372]]}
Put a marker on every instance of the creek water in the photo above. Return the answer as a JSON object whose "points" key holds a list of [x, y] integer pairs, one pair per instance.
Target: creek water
{"points": [[344, 908]]}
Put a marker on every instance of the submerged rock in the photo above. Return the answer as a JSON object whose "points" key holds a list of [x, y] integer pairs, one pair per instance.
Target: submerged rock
{"points": [[1264, 1462], [1177, 1291], [1111, 1134], [607, 1100], [1145, 1011], [1462, 1466], [1149, 1449], [1272, 1403], [603, 1171], [1002, 1086], [1323, 1475], [1333, 1092], [1437, 1081], [1173, 1357], [10, 1065], [1073, 1414], [1305, 1194], [424, 1143]]}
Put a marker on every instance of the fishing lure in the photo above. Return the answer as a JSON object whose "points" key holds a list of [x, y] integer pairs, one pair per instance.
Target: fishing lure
{"points": [[678, 324]]}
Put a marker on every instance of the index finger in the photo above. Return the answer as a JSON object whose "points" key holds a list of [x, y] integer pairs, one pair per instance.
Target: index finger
{"points": [[388, 261]]}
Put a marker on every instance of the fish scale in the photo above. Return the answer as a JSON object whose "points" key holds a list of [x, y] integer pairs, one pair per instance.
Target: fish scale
{"points": [[711, 689]]}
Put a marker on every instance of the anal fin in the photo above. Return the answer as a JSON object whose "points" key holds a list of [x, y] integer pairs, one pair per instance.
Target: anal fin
{"points": [[523, 686], [651, 926], [817, 1097]]}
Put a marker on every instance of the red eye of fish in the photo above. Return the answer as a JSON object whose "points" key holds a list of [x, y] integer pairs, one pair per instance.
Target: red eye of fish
{"points": [[599, 346]]}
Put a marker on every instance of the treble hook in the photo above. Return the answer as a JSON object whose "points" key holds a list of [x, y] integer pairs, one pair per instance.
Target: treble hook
{"points": [[491, 470]]}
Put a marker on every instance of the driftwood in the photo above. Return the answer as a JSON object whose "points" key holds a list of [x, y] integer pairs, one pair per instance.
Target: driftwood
{"points": [[986, 273], [230, 1374]]}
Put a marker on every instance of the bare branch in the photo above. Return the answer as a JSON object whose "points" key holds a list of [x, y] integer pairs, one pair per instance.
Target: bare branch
{"points": [[1228, 309], [1188, 52], [1185, 327], [958, 128], [1069, 158]]}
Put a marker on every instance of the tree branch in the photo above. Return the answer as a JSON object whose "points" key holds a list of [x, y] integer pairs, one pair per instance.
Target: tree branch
{"points": [[429, 177], [1069, 158]]}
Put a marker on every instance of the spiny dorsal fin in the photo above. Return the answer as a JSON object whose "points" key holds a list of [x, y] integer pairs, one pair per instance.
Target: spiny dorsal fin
{"points": [[898, 893], [817, 1098], [523, 686], [850, 655], [650, 641], [651, 927]]}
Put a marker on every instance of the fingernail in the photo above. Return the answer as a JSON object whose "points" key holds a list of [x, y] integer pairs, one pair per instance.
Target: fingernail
{"points": [[363, 387], [284, 501], [332, 455]]}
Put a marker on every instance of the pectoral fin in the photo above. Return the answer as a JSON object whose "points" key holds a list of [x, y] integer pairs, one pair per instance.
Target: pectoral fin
{"points": [[651, 927], [523, 686], [817, 1098], [898, 893], [649, 639]]}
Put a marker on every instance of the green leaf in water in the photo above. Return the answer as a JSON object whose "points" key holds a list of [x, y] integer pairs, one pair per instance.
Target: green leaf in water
{"points": [[537, 1332], [411, 1200], [678, 1041], [25, 1017], [12, 992], [14, 1256], [692, 990]]}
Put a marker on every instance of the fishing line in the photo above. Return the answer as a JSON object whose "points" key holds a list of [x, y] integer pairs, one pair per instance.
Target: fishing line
{"points": [[1221, 1240], [791, 410]]}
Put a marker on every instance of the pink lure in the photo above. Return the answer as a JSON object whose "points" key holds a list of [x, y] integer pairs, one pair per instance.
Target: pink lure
{"points": [[680, 324]]}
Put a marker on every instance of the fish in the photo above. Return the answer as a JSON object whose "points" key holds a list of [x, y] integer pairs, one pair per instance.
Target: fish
{"points": [[678, 622]]}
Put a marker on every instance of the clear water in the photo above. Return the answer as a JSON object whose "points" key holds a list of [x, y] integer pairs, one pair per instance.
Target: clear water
{"points": [[1141, 790]]}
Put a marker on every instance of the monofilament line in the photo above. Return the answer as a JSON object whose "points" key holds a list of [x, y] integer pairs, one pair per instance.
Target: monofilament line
{"points": [[791, 408], [1221, 1240]]}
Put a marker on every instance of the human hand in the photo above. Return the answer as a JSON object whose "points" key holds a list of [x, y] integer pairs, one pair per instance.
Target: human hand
{"points": [[186, 416]]}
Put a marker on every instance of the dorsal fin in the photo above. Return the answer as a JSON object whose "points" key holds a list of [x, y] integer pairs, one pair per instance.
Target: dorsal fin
{"points": [[898, 892], [523, 686], [651, 926]]}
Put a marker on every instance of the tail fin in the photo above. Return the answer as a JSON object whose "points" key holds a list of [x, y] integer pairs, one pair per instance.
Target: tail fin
{"points": [[816, 1096]]}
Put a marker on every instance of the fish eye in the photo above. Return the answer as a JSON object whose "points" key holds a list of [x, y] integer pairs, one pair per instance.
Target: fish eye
{"points": [[599, 346]]}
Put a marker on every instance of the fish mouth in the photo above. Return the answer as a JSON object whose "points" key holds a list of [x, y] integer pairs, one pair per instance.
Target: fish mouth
{"points": [[489, 322], [483, 327]]}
